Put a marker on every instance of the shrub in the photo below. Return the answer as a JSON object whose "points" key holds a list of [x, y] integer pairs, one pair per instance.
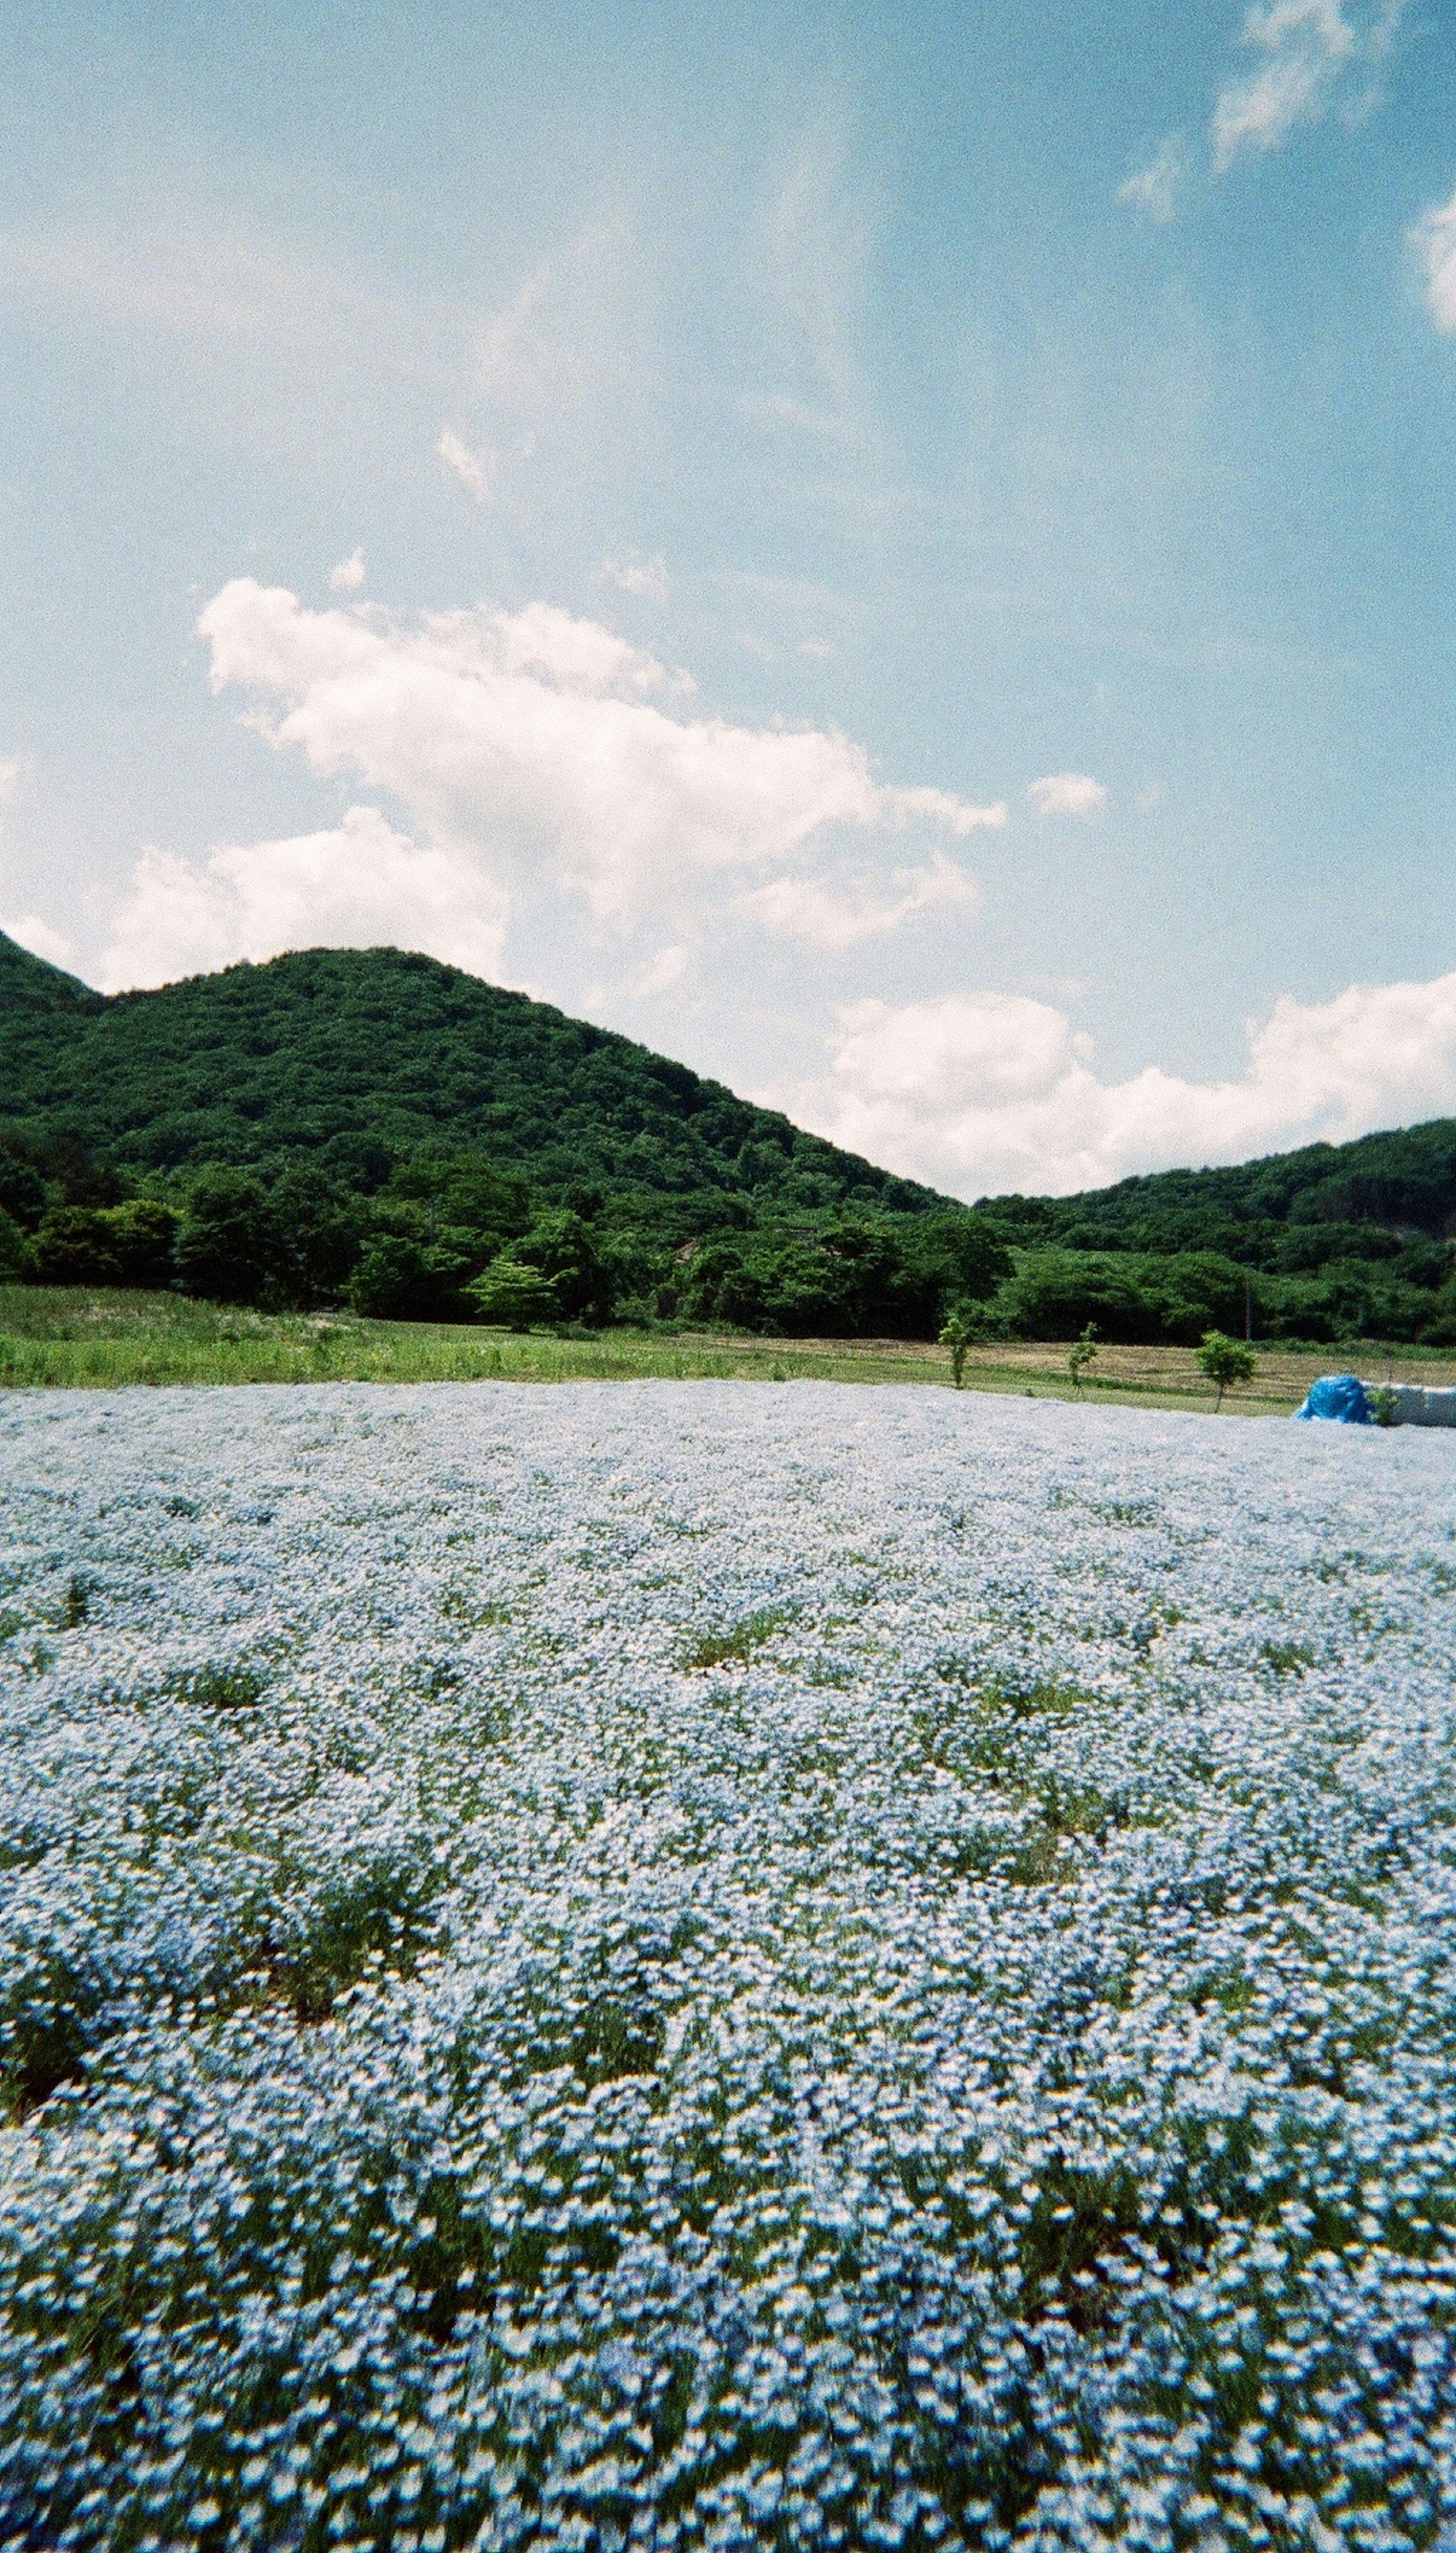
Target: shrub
{"points": [[1081, 1355]]}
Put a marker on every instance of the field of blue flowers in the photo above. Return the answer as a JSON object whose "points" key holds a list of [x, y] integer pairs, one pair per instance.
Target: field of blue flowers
{"points": [[709, 1966]]}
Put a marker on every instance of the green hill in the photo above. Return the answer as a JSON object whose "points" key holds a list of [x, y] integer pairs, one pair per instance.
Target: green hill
{"points": [[1402, 1182], [1334, 1241], [333, 1054], [372, 1125]]}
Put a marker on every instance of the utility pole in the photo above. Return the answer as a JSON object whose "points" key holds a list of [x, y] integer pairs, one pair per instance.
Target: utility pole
{"points": [[1248, 1306]]}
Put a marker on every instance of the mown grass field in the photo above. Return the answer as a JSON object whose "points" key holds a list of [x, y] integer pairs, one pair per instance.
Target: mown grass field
{"points": [[64, 1337]]}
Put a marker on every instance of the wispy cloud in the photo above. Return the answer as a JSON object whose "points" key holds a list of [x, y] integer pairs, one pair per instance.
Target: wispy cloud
{"points": [[349, 575], [1068, 793], [475, 470], [1434, 240], [1316, 53], [183, 280], [645, 577], [1315, 57], [812, 910], [1154, 190]]}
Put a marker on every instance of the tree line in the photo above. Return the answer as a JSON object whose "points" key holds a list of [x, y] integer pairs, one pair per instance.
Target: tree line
{"points": [[456, 1237]]}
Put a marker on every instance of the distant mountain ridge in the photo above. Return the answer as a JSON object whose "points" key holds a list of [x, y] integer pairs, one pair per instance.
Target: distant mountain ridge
{"points": [[1402, 1180]]}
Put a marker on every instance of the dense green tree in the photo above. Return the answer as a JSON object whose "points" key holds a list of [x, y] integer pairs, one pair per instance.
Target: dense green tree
{"points": [[15, 1255], [562, 1249], [74, 1247], [319, 1229], [120, 1245], [1195, 1290], [229, 1249], [1054, 1294], [840, 1275], [143, 1236], [514, 1294], [403, 1278], [22, 1190]]}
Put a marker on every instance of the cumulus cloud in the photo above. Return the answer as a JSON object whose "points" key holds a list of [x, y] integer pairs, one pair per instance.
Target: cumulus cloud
{"points": [[1312, 49], [475, 470], [1154, 190], [811, 909], [40, 938], [644, 577], [981, 1093], [357, 886], [1068, 793], [535, 743], [1434, 240], [349, 575]]}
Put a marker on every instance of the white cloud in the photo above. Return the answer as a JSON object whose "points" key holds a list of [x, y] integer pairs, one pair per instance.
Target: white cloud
{"points": [[1068, 793], [475, 470], [661, 974], [349, 575], [645, 577], [42, 939], [578, 655], [1154, 189], [1310, 48], [981, 1093], [1434, 238], [530, 743], [30, 929], [809, 909], [358, 885]]}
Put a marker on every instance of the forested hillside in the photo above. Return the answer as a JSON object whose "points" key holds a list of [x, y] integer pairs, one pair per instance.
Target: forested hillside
{"points": [[1333, 1241], [371, 1126], [340, 1053]]}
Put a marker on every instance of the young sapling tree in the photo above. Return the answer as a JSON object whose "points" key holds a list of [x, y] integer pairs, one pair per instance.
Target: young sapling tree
{"points": [[1224, 1360], [1082, 1354]]}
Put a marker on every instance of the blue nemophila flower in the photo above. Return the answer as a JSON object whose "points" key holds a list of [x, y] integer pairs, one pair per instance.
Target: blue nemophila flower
{"points": [[696, 1967]]}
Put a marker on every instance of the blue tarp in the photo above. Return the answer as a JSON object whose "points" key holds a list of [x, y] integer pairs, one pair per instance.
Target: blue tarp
{"points": [[1337, 1396]]}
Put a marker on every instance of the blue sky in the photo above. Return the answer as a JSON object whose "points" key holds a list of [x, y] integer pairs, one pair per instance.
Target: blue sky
{"points": [[903, 555]]}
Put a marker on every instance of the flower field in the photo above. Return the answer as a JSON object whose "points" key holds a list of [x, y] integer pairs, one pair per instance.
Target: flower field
{"points": [[701, 1965]]}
